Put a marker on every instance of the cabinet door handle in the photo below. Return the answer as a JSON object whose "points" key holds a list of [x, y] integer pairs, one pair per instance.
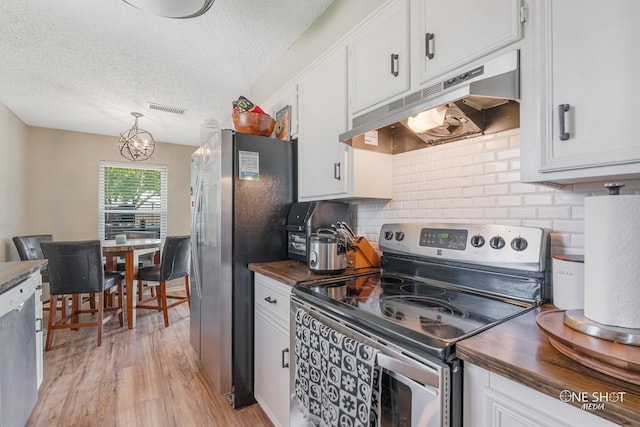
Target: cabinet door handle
{"points": [[429, 44], [271, 300], [336, 171], [41, 327], [285, 364], [563, 110], [395, 64]]}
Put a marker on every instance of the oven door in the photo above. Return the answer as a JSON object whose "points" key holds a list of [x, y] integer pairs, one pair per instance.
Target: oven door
{"points": [[414, 390]]}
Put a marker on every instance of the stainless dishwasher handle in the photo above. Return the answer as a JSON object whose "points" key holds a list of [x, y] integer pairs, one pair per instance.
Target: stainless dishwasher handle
{"points": [[412, 371]]}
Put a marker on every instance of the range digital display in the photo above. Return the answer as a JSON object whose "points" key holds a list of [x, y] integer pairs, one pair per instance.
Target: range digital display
{"points": [[443, 238]]}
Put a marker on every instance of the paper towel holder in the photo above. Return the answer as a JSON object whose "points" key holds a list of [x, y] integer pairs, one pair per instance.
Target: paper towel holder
{"points": [[614, 188], [575, 319]]}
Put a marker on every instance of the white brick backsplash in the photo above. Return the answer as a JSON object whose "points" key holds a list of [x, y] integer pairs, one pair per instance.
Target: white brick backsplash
{"points": [[577, 212], [473, 191], [509, 201], [494, 167], [509, 176], [478, 181], [473, 170], [561, 212], [509, 154], [496, 190], [496, 213], [524, 213], [539, 199]]}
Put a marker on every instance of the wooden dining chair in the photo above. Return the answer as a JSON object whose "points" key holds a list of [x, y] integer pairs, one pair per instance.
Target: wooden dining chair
{"points": [[174, 264], [29, 249], [76, 268]]}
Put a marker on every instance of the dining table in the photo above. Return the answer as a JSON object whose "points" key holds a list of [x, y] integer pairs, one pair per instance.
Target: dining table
{"points": [[130, 250]]}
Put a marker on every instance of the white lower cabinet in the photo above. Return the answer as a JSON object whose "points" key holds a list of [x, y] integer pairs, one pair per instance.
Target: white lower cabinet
{"points": [[271, 348], [39, 330], [491, 400]]}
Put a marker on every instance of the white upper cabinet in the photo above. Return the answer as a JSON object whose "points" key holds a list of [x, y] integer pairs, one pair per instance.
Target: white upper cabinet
{"points": [[327, 168], [323, 116], [579, 91], [447, 34], [379, 57]]}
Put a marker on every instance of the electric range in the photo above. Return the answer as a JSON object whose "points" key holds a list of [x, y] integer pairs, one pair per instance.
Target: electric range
{"points": [[439, 283]]}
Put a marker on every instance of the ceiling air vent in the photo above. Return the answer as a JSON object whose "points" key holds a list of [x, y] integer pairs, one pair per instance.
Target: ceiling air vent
{"points": [[166, 108]]}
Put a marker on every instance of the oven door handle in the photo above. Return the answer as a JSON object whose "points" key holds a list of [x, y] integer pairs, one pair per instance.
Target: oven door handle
{"points": [[414, 372]]}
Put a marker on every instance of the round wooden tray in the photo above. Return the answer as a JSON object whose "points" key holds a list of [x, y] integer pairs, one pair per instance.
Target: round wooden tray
{"points": [[618, 360]]}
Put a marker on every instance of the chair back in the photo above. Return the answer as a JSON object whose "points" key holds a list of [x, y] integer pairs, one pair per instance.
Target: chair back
{"points": [[141, 234], [174, 262], [29, 247], [74, 267]]}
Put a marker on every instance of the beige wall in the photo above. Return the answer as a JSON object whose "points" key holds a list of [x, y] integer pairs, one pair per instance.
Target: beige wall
{"points": [[13, 182], [62, 191]]}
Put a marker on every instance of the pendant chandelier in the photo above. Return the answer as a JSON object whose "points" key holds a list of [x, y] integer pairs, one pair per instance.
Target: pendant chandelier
{"points": [[136, 144]]}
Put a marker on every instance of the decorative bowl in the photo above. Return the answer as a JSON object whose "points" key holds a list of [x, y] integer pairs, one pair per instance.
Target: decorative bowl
{"points": [[253, 123]]}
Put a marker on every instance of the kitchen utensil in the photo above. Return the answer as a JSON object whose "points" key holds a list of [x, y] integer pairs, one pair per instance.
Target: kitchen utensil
{"points": [[362, 255]]}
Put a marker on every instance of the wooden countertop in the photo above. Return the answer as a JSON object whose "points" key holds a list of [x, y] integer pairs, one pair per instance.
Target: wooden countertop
{"points": [[293, 272], [12, 273], [520, 351]]}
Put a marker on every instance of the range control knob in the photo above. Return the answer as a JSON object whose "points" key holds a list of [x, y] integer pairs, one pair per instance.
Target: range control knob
{"points": [[399, 236], [496, 242], [477, 241], [519, 244], [388, 235]]}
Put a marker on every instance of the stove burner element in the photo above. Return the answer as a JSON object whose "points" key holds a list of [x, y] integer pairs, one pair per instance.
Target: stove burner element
{"points": [[429, 315]]}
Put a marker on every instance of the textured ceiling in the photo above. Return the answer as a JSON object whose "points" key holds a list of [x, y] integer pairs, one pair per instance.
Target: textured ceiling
{"points": [[85, 65]]}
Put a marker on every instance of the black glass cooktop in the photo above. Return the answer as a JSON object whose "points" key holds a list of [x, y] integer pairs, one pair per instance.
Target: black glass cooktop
{"points": [[427, 308]]}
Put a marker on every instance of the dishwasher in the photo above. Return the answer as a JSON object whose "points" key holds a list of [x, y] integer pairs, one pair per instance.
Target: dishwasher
{"points": [[18, 365]]}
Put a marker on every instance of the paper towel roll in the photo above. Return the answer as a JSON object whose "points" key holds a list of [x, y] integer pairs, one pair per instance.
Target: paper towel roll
{"points": [[612, 260]]}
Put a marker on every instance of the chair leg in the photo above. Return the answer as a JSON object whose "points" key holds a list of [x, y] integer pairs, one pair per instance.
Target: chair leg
{"points": [[162, 300], [53, 302], [100, 315], [120, 297], [186, 286]]}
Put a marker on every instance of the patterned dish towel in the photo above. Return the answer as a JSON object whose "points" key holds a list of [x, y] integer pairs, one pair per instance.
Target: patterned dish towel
{"points": [[336, 378]]}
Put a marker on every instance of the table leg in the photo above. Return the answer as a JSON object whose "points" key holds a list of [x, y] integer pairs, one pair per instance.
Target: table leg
{"points": [[129, 275], [111, 264]]}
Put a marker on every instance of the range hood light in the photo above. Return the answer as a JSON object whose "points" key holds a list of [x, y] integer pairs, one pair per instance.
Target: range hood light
{"points": [[480, 99], [427, 120]]}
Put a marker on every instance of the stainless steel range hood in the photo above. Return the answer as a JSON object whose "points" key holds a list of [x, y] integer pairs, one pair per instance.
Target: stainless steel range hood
{"points": [[480, 100]]}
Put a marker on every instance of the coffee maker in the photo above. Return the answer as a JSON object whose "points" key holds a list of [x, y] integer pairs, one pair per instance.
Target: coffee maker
{"points": [[306, 218]]}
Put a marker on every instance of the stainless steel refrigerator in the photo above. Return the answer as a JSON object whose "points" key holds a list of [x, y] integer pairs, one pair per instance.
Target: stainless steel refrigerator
{"points": [[242, 188]]}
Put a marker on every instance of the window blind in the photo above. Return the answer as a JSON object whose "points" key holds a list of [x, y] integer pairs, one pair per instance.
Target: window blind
{"points": [[132, 198]]}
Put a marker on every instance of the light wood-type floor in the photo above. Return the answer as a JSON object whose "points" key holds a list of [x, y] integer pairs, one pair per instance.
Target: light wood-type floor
{"points": [[147, 376]]}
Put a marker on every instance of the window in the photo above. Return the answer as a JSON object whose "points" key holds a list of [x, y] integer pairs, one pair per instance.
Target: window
{"points": [[132, 198]]}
